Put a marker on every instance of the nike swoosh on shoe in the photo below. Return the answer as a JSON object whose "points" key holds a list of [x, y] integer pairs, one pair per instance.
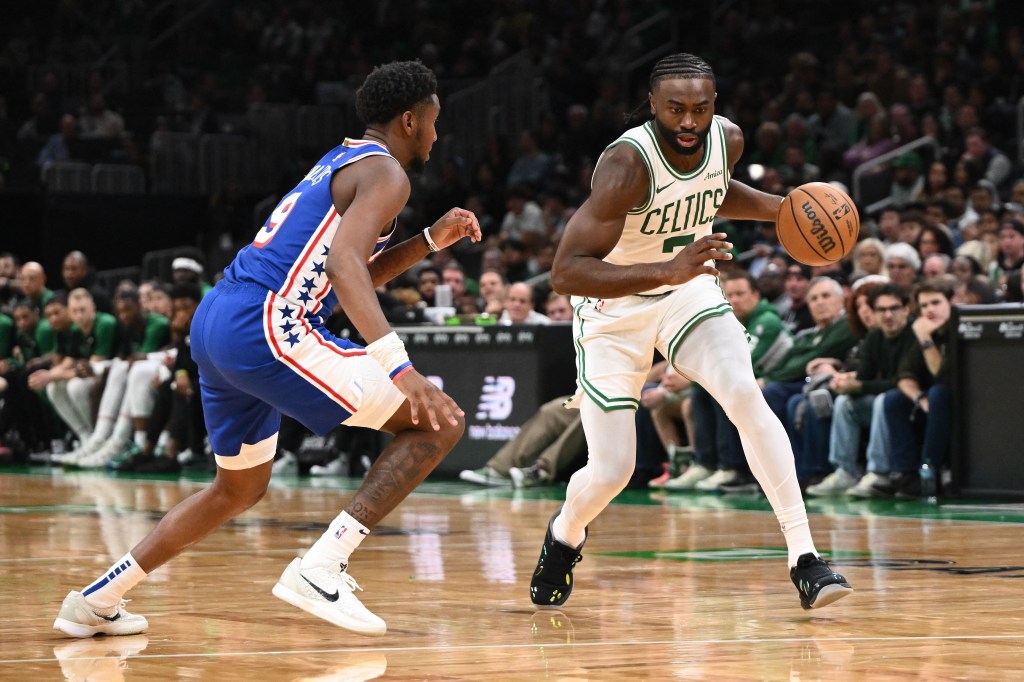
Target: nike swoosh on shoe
{"points": [[326, 595]]}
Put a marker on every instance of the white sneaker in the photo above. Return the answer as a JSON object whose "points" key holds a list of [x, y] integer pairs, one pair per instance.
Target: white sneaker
{"points": [[485, 476], [719, 478], [78, 619], [328, 594], [91, 445], [836, 483], [99, 458], [336, 467], [689, 478], [864, 487], [288, 464]]}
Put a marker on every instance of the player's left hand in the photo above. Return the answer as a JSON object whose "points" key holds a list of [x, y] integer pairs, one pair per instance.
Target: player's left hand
{"points": [[453, 226]]}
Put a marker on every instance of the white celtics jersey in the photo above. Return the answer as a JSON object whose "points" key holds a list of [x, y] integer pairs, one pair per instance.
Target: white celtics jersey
{"points": [[680, 207]]}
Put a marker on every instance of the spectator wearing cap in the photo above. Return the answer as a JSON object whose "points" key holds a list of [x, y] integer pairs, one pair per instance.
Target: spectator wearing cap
{"points": [[903, 264], [524, 219], [1011, 250], [188, 271], [907, 181]]}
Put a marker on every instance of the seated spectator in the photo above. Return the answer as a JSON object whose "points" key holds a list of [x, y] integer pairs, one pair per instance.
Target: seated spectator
{"points": [[558, 308], [97, 121], [933, 239], [33, 347], [936, 265], [10, 288], [543, 450], [32, 279], [907, 182], [58, 146], [868, 258], [922, 394], [76, 272], [127, 398], [994, 165], [428, 278], [189, 271], [1011, 250], [519, 306], [875, 141], [902, 262], [859, 402], [493, 287], [175, 423]]}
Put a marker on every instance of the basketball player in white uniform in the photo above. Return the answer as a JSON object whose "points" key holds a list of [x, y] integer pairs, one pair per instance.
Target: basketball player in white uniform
{"points": [[638, 258]]}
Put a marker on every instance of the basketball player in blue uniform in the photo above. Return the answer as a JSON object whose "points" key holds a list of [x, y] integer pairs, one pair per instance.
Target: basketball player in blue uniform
{"points": [[638, 258], [262, 349]]}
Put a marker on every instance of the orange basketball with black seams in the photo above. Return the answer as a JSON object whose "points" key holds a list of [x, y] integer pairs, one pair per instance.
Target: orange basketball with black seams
{"points": [[818, 224]]}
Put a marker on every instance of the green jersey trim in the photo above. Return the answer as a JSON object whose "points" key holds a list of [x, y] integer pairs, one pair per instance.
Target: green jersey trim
{"points": [[677, 340], [604, 402], [650, 172]]}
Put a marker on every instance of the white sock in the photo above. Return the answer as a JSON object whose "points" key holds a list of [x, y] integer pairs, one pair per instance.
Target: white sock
{"points": [[797, 532], [336, 544], [106, 593], [140, 439]]}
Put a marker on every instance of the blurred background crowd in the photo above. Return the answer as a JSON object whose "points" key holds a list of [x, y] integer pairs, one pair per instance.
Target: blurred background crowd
{"points": [[141, 145]]}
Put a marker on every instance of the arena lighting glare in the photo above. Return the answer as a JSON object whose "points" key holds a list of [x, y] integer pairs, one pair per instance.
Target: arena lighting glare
{"points": [[756, 171]]}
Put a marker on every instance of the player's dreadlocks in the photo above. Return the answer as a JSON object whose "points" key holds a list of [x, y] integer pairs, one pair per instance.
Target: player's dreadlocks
{"points": [[681, 65], [392, 89]]}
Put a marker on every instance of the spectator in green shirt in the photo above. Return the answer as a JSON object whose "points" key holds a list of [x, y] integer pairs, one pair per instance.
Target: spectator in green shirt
{"points": [[22, 410], [33, 284], [70, 383], [127, 399]]}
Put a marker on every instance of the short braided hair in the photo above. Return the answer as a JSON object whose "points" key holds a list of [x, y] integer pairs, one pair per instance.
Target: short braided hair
{"points": [[393, 89], [681, 65]]}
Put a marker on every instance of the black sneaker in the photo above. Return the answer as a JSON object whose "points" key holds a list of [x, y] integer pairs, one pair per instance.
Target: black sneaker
{"points": [[158, 465], [552, 581], [817, 584], [901, 484]]}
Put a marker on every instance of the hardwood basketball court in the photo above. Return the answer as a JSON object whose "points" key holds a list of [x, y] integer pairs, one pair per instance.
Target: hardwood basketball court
{"points": [[680, 586]]}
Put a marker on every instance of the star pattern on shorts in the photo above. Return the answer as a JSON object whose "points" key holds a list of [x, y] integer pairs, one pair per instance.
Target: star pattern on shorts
{"points": [[292, 339], [287, 327], [318, 268]]}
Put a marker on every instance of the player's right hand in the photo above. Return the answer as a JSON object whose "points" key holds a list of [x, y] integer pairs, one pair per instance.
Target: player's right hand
{"points": [[690, 262], [428, 398]]}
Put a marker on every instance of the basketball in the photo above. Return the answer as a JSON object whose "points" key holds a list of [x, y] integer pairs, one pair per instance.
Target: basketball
{"points": [[817, 224]]}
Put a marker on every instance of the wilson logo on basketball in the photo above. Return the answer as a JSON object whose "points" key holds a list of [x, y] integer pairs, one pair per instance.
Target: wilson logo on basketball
{"points": [[818, 229]]}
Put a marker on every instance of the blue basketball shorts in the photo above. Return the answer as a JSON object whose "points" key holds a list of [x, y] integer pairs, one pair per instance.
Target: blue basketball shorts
{"points": [[260, 358]]}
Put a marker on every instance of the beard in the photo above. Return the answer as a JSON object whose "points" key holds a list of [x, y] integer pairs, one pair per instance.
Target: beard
{"points": [[668, 136]]}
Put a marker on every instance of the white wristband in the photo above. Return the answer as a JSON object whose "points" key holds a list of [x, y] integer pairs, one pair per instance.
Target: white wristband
{"points": [[390, 353], [430, 242]]}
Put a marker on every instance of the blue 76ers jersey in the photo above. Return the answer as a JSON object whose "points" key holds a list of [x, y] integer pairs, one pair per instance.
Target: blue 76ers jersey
{"points": [[289, 253]]}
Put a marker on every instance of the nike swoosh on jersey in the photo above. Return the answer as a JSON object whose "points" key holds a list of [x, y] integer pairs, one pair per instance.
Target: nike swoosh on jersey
{"points": [[326, 595], [658, 190]]}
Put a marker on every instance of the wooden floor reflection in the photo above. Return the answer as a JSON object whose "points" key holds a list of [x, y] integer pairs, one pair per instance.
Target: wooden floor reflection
{"points": [[690, 587]]}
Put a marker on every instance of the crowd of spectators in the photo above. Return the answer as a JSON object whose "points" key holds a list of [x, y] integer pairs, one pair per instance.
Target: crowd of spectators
{"points": [[817, 98]]}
